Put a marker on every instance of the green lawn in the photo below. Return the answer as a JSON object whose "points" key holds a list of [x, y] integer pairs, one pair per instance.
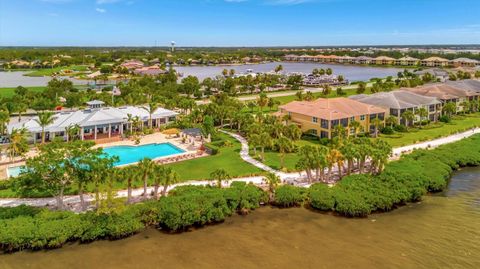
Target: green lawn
{"points": [[227, 158], [50, 71], [272, 158], [415, 135], [433, 131], [8, 92]]}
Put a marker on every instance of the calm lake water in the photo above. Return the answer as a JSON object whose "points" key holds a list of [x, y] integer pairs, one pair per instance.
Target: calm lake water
{"points": [[443, 231], [17, 78], [350, 72]]}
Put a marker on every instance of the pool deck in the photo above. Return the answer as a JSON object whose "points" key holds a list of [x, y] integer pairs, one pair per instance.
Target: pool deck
{"points": [[158, 138]]}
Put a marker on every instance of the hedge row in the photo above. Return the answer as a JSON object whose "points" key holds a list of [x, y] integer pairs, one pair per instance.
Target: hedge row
{"points": [[31, 228], [406, 180]]}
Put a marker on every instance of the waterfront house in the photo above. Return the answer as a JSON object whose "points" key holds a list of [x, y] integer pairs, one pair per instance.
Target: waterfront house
{"points": [[397, 102], [384, 60], [96, 122], [407, 61], [149, 71], [464, 62], [434, 62], [364, 60], [320, 117], [291, 57], [446, 93]]}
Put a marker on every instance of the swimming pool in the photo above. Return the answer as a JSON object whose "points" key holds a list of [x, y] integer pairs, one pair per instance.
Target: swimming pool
{"points": [[14, 171], [133, 154]]}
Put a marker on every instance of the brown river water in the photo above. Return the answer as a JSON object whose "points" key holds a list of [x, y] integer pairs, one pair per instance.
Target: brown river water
{"points": [[442, 231]]}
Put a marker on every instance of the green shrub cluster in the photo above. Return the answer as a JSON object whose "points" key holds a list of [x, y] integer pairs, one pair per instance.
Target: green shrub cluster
{"points": [[406, 180], [288, 196], [26, 227]]}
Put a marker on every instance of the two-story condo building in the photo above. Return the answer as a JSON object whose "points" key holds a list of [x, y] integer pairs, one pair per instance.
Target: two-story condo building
{"points": [[320, 117]]}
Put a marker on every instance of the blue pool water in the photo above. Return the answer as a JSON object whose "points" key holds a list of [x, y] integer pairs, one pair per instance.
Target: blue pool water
{"points": [[14, 171], [133, 154]]}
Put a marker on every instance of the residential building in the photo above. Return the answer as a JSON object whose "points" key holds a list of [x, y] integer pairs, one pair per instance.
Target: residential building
{"points": [[384, 60], [320, 117], [446, 93], [439, 74], [407, 61], [132, 64], [364, 60], [464, 62], [96, 122], [469, 84], [434, 62], [397, 102]]}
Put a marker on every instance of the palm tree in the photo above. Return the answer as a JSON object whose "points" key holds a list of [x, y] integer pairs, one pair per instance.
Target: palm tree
{"points": [[284, 145], [151, 108], [44, 119], [422, 113], [264, 141], [391, 121], [18, 143], [129, 174], [170, 177], [72, 131], [272, 181], [21, 108], [449, 109], [408, 117], [4, 118], [262, 101], [130, 120], [356, 126], [376, 123], [146, 167], [219, 175]]}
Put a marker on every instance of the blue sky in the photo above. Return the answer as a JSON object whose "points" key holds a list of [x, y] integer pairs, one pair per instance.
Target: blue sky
{"points": [[238, 22]]}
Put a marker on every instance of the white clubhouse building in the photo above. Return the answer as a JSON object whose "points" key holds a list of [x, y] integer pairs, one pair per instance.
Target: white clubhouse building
{"points": [[95, 122]]}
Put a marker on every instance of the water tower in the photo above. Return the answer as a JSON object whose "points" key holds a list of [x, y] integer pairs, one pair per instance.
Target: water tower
{"points": [[173, 45]]}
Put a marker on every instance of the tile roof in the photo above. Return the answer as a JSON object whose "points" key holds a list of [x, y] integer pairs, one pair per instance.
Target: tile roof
{"points": [[396, 99], [332, 108], [442, 91]]}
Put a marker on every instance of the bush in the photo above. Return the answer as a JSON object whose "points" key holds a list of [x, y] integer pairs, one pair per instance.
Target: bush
{"points": [[288, 196], [400, 128], [321, 197], [387, 130], [445, 119], [402, 181], [22, 210]]}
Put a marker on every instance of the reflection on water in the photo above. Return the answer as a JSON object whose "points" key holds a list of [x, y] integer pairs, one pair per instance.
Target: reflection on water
{"points": [[443, 231], [350, 72]]}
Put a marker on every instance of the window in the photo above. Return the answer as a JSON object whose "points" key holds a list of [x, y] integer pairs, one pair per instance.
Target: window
{"points": [[431, 108], [334, 123], [324, 124], [362, 117], [352, 119], [315, 119], [344, 122], [313, 132], [323, 134]]}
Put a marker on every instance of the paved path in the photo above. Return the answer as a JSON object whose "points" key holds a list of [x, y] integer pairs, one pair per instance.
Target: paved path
{"points": [[436, 142], [244, 154]]}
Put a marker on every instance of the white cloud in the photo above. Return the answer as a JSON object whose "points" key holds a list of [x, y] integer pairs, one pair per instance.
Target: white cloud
{"points": [[100, 10]]}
